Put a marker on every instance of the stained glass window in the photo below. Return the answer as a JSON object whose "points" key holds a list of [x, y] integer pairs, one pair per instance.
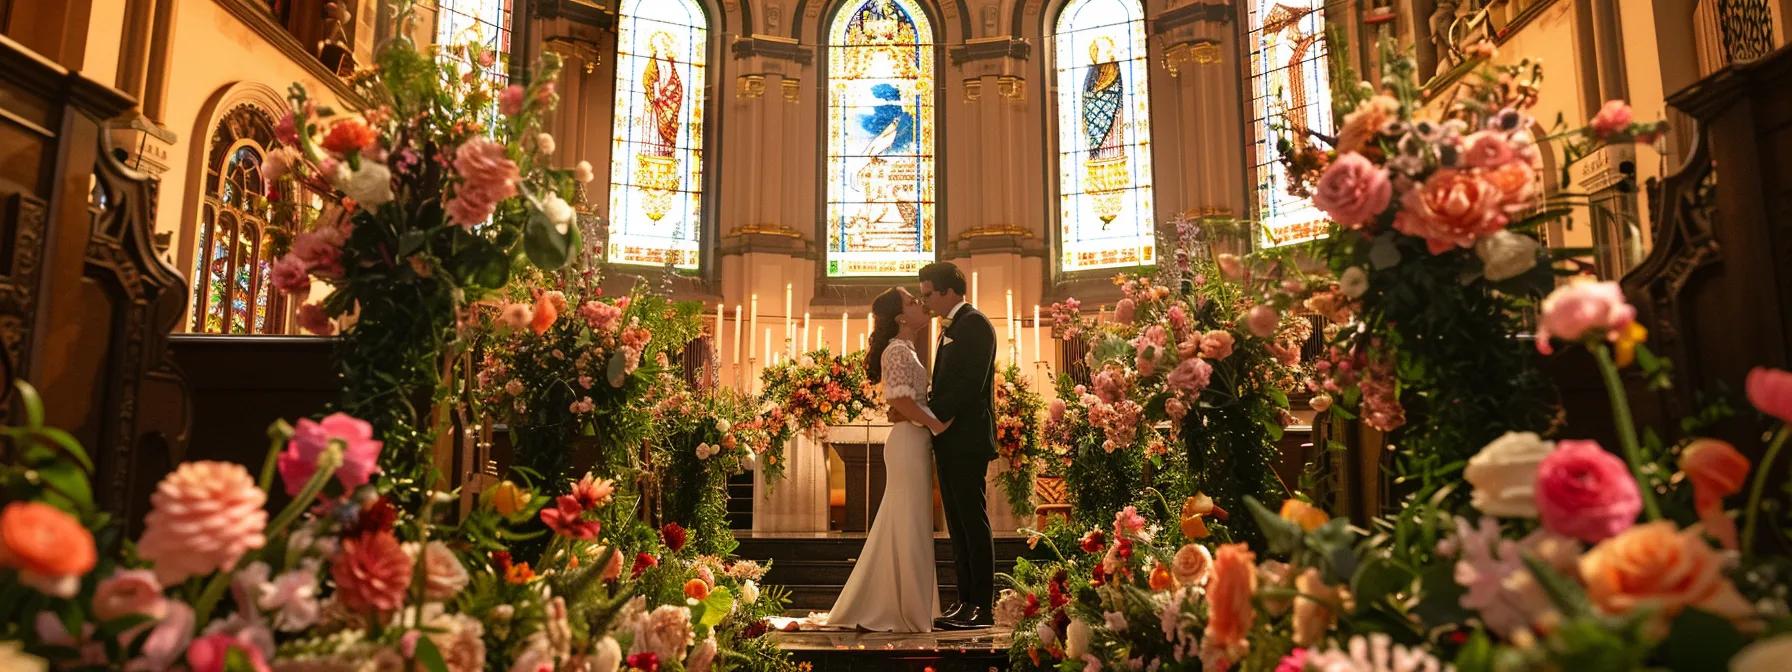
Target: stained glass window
{"points": [[484, 21], [880, 144], [656, 158], [1104, 136], [1290, 93], [233, 292]]}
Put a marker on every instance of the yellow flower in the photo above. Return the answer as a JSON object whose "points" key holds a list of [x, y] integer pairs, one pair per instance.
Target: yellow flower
{"points": [[1303, 514], [1632, 335], [508, 499]]}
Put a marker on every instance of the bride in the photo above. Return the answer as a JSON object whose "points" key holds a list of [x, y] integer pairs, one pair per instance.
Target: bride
{"points": [[894, 587]]}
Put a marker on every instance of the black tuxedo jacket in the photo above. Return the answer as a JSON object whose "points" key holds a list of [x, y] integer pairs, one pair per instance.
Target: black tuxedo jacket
{"points": [[964, 388]]}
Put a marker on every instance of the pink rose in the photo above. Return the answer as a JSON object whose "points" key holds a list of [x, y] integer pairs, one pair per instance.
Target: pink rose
{"points": [[211, 652], [1057, 410], [165, 642], [129, 592], [1262, 321], [1770, 390], [1580, 309], [1124, 310], [289, 275], [1110, 384], [1612, 119], [1453, 208], [1516, 182], [1353, 191], [1217, 344], [1150, 346], [360, 452], [510, 101], [1585, 492], [1191, 376], [1231, 266], [1487, 149], [487, 177], [516, 316], [321, 250], [287, 130], [312, 318], [1128, 522]]}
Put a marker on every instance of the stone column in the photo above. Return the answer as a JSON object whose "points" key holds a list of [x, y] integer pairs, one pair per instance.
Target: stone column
{"points": [[1199, 100], [143, 74]]}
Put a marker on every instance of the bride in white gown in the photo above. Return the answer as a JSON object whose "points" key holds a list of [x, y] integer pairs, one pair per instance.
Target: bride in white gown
{"points": [[894, 586]]}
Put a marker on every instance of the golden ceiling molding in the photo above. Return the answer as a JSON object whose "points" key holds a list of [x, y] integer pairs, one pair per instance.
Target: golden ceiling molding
{"points": [[1196, 52], [986, 48], [996, 231], [973, 90], [777, 230], [792, 87], [773, 47], [1011, 87]]}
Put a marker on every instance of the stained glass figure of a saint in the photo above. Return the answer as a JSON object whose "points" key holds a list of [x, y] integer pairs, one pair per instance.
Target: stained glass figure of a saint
{"points": [[656, 161], [1104, 136]]}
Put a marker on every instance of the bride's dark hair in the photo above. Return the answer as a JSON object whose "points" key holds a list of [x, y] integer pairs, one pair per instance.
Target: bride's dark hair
{"points": [[884, 310]]}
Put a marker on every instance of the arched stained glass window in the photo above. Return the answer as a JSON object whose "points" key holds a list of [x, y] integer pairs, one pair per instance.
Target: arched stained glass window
{"points": [[234, 260], [880, 172], [1290, 93], [485, 21], [1104, 136], [656, 158]]}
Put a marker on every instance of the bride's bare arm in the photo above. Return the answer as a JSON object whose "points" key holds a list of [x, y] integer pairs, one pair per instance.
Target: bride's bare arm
{"points": [[911, 410]]}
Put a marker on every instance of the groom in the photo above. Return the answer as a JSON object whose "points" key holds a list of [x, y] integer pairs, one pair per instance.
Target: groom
{"points": [[964, 397]]}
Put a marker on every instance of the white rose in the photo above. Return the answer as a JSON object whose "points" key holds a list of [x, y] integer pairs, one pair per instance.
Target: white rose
{"points": [[1320, 402], [1354, 282], [1010, 609], [371, 186], [1505, 255], [545, 143], [703, 451], [1045, 633], [558, 212], [1076, 639], [607, 657], [749, 592], [723, 425], [1767, 655], [1504, 475], [13, 657]]}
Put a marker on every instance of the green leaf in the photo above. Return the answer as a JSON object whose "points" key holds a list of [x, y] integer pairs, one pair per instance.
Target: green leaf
{"points": [[1378, 578], [34, 404], [69, 483], [547, 248], [1700, 640], [1440, 597], [429, 656], [1566, 595], [410, 242], [716, 606], [1283, 535]]}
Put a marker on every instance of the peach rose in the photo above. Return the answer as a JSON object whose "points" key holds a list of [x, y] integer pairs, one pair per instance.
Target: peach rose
{"points": [[50, 548], [1453, 208], [1230, 613], [1668, 569], [1191, 565], [1516, 182], [1315, 615], [1217, 344], [1717, 471], [1361, 127]]}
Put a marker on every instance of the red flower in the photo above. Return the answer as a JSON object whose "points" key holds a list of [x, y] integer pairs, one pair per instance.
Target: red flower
{"points": [[1098, 577], [567, 519], [1094, 541], [376, 517], [674, 537], [642, 562], [1032, 608], [501, 561], [350, 135], [647, 661], [372, 572]]}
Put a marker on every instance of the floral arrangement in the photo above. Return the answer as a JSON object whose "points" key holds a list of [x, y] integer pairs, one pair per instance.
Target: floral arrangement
{"points": [[1434, 255], [564, 363], [808, 395], [438, 201], [1572, 556], [1199, 348], [340, 578], [1019, 441], [702, 439]]}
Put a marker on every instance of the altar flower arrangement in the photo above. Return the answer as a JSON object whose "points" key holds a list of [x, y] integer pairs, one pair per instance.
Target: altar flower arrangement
{"points": [[431, 201], [701, 439], [1019, 440], [812, 392]]}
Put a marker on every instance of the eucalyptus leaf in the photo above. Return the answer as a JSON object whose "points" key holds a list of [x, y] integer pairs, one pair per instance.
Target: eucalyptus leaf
{"points": [[547, 247]]}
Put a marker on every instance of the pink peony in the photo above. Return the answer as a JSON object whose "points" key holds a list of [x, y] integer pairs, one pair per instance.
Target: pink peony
{"points": [[1128, 522], [510, 100], [202, 518], [1453, 208], [1516, 182], [321, 250], [211, 653], [1262, 321], [360, 451], [1124, 310], [1056, 410], [312, 318], [372, 573], [1770, 390], [1487, 149], [487, 177], [1581, 309], [1191, 376], [1585, 492], [129, 592], [1353, 191], [1217, 344], [1612, 119], [290, 276]]}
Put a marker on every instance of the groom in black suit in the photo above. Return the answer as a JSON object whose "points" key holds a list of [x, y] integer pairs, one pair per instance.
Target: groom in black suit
{"points": [[963, 395]]}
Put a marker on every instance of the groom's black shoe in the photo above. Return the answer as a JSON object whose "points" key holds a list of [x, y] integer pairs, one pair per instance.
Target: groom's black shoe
{"points": [[971, 619], [954, 611]]}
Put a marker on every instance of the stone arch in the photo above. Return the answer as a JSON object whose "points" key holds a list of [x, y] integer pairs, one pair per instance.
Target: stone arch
{"points": [[227, 98]]}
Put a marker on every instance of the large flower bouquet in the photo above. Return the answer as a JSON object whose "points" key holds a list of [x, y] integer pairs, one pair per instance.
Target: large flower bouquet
{"points": [[440, 200], [1020, 442], [563, 361], [811, 393], [702, 439], [1572, 557], [1434, 251], [1205, 354], [341, 579]]}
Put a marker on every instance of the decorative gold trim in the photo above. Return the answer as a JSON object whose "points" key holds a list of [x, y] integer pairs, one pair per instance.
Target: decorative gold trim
{"points": [[1011, 87], [1204, 212], [778, 230], [750, 86], [570, 47], [1200, 52], [792, 89], [973, 90], [995, 231]]}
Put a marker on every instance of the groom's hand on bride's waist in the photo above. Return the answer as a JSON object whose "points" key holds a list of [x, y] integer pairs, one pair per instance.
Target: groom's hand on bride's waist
{"points": [[896, 417]]}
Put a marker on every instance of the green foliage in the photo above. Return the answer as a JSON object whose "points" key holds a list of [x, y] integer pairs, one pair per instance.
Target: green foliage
{"points": [[1019, 438]]}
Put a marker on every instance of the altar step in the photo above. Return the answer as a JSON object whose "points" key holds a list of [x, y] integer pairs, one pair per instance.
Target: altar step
{"points": [[814, 567]]}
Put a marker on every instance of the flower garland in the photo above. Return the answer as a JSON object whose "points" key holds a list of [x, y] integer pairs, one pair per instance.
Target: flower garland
{"points": [[807, 395], [1019, 439]]}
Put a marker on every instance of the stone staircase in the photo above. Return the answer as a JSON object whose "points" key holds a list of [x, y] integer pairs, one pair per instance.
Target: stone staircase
{"points": [[814, 566]]}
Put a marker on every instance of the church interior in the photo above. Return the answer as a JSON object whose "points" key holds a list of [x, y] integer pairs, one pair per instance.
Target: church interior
{"points": [[703, 200]]}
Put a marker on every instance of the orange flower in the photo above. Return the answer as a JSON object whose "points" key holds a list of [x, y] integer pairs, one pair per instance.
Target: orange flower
{"points": [[1230, 613], [696, 589], [1161, 580], [508, 499], [1716, 471], [545, 314], [49, 547], [1315, 615], [1303, 514], [1193, 527], [1659, 566], [519, 574], [350, 135]]}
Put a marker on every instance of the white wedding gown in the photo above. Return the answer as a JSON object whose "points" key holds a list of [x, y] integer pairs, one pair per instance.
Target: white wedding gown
{"points": [[894, 586]]}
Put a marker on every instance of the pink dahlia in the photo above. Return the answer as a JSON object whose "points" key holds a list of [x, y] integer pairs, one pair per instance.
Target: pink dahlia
{"points": [[203, 517], [487, 177], [360, 451], [371, 572]]}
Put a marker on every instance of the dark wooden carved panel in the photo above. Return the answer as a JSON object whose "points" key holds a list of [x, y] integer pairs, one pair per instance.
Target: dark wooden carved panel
{"points": [[85, 304]]}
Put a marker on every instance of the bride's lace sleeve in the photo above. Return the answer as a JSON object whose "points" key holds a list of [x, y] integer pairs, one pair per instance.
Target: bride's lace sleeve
{"points": [[903, 374]]}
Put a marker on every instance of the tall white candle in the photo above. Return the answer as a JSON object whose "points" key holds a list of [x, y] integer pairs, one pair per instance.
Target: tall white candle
{"points": [[768, 348], [805, 331], [843, 347], [869, 327], [975, 294], [753, 330], [737, 338], [716, 338], [1011, 333], [1037, 353], [933, 351], [789, 319]]}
